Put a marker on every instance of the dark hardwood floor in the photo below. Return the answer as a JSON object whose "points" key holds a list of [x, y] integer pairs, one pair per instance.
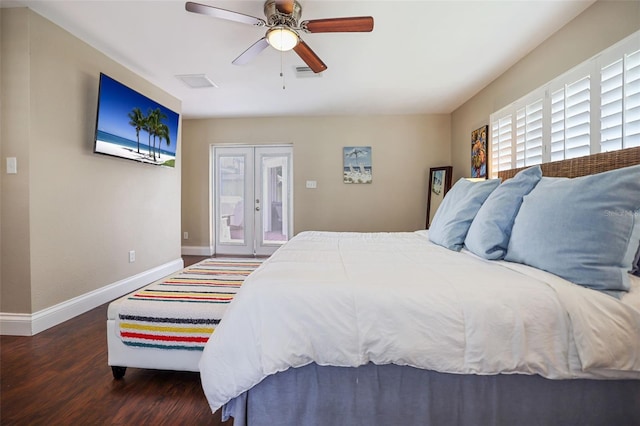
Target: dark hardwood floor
{"points": [[61, 377]]}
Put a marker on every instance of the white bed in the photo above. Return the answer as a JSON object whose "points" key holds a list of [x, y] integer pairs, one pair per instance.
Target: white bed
{"points": [[347, 299], [322, 331]]}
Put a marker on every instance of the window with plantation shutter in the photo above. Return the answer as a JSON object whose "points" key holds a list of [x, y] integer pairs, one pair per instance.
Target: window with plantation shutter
{"points": [[632, 100], [620, 103], [501, 143], [557, 125], [611, 85], [577, 133], [592, 108], [529, 134]]}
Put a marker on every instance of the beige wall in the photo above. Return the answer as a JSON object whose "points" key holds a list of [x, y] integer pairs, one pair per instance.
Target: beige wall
{"points": [[15, 272], [600, 26], [69, 217], [403, 150]]}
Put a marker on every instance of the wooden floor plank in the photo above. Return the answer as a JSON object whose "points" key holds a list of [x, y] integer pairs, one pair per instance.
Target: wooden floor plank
{"points": [[61, 376]]}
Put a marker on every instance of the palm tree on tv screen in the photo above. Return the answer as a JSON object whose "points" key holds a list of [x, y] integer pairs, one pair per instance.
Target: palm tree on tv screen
{"points": [[163, 133], [148, 126], [137, 120], [155, 123]]}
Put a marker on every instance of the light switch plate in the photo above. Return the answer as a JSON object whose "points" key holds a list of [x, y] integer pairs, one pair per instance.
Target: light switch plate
{"points": [[12, 165], [312, 184]]}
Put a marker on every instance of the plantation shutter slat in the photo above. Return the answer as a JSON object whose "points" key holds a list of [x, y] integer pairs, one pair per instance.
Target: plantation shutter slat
{"points": [[529, 134], [611, 95], [632, 100], [577, 118], [501, 142], [557, 125]]}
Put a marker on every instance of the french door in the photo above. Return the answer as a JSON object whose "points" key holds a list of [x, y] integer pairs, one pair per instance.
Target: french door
{"points": [[252, 199]]}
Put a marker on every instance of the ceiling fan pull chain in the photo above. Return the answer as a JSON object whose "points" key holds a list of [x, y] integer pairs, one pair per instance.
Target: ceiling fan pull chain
{"points": [[282, 70]]}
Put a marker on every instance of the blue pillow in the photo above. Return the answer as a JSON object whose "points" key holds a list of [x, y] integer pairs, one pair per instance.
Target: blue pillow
{"points": [[585, 230], [458, 208], [489, 233]]}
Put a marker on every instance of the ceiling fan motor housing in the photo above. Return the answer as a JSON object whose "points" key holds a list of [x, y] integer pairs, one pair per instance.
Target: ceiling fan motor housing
{"points": [[278, 17]]}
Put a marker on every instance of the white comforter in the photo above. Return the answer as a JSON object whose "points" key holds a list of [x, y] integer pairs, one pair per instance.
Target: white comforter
{"points": [[346, 299]]}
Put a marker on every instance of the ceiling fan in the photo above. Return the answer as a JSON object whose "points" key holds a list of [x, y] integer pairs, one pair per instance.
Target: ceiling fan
{"points": [[283, 28]]}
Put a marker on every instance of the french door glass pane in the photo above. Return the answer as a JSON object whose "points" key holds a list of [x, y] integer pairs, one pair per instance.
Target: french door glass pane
{"points": [[274, 199], [232, 198]]}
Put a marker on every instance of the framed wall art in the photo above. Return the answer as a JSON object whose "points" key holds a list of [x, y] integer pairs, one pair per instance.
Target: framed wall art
{"points": [[479, 139], [439, 184], [357, 164]]}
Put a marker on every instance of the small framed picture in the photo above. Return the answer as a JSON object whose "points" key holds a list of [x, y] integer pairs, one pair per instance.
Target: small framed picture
{"points": [[439, 184], [479, 152], [357, 164]]}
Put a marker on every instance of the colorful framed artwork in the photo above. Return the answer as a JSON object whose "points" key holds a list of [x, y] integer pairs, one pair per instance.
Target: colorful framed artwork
{"points": [[479, 139], [357, 165]]}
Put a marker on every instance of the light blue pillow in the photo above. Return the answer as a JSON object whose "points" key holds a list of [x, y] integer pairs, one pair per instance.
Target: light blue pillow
{"points": [[489, 232], [458, 208], [585, 230]]}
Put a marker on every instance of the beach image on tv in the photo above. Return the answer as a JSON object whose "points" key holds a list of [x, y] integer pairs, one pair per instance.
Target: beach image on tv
{"points": [[132, 126]]}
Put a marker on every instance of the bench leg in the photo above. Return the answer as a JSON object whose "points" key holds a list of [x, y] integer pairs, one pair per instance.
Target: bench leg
{"points": [[118, 372]]}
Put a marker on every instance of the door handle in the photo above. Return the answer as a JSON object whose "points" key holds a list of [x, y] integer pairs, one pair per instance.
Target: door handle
{"points": [[257, 208]]}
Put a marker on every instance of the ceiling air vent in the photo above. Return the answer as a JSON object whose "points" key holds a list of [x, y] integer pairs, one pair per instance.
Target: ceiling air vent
{"points": [[196, 81], [305, 72]]}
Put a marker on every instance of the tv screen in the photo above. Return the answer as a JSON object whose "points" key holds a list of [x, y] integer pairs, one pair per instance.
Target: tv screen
{"points": [[130, 125]]}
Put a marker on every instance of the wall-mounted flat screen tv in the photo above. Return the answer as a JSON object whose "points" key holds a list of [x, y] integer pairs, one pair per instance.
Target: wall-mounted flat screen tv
{"points": [[132, 126]]}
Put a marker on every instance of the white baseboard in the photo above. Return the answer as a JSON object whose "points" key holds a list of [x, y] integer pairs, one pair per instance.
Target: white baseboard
{"points": [[15, 324], [197, 251], [29, 324]]}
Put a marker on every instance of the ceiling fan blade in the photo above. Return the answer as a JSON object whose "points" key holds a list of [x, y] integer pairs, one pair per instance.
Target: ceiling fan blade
{"points": [[309, 57], [253, 51], [355, 24], [285, 6], [216, 12]]}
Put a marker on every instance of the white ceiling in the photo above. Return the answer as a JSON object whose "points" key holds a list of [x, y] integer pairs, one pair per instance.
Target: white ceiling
{"points": [[422, 56]]}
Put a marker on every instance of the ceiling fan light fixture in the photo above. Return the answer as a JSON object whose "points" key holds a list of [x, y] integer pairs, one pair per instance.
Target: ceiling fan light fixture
{"points": [[282, 38]]}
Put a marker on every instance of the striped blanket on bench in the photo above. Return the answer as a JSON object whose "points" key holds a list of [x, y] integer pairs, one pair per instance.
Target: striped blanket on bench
{"points": [[181, 312]]}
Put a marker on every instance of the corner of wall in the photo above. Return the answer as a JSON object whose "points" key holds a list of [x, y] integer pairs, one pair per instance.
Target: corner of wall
{"points": [[15, 277]]}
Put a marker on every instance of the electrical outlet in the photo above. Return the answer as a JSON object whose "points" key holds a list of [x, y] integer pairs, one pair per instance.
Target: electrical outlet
{"points": [[132, 256], [185, 235]]}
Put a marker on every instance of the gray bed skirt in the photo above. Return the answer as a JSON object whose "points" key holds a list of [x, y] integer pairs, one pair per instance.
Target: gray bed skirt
{"points": [[393, 395]]}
